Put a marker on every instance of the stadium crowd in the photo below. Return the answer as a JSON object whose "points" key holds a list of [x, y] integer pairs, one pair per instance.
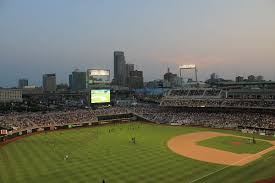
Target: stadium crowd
{"points": [[217, 98], [153, 113], [25, 120], [207, 119], [218, 103], [194, 92]]}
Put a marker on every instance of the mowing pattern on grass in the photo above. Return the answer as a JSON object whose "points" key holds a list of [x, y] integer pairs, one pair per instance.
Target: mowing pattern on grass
{"points": [[235, 144], [108, 153]]}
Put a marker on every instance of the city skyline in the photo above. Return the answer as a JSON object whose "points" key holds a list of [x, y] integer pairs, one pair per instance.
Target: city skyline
{"points": [[230, 38]]}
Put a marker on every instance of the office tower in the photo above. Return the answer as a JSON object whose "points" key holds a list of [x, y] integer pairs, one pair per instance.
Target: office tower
{"points": [[70, 81], [129, 68], [22, 83], [49, 83], [78, 80], [119, 69], [136, 79], [239, 79], [171, 80]]}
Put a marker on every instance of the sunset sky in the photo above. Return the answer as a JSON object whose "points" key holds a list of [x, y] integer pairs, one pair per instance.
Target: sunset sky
{"points": [[229, 37]]}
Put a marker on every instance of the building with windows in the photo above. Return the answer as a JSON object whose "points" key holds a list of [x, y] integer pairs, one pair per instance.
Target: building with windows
{"points": [[10, 95], [239, 79], [22, 83], [172, 80], [120, 75], [70, 81], [78, 80], [129, 68], [251, 78], [49, 83], [135, 79]]}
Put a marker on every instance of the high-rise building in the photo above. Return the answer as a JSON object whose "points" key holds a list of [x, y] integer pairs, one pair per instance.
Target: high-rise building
{"points": [[22, 83], [120, 74], [171, 80], [129, 68], [49, 83], [239, 79], [169, 76], [70, 81], [251, 78], [78, 80], [136, 79]]}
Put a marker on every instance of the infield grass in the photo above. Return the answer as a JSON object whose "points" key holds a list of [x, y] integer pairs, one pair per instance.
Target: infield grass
{"points": [[107, 152], [235, 144]]}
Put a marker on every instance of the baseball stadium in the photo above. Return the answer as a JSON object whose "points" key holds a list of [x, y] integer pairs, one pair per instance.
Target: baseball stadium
{"points": [[166, 142], [145, 91]]}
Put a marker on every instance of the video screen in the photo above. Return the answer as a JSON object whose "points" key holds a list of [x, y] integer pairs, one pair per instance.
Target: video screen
{"points": [[100, 96], [96, 76]]}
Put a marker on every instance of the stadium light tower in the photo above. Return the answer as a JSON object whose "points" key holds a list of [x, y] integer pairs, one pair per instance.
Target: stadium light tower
{"points": [[189, 67]]}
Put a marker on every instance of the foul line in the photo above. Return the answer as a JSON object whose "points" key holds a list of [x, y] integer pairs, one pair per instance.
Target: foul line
{"points": [[251, 156], [222, 168]]}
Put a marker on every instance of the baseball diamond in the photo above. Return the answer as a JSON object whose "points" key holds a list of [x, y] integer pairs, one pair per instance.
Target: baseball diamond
{"points": [[186, 145], [109, 153], [146, 91]]}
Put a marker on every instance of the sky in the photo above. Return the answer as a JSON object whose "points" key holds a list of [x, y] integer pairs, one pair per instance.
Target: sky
{"points": [[228, 37]]}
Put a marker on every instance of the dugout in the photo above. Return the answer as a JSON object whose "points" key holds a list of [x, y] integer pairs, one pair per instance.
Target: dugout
{"points": [[61, 127], [115, 117], [85, 124], [47, 128], [95, 123], [266, 131], [34, 130], [24, 132], [11, 136]]}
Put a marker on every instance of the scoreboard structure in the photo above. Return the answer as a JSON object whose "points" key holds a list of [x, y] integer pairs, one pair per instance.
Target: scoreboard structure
{"points": [[100, 96], [98, 76]]}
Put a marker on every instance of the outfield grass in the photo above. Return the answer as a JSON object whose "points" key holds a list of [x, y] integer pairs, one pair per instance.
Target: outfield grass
{"points": [[107, 152], [235, 144]]}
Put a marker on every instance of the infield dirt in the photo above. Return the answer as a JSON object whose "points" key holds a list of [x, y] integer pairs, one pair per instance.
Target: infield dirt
{"points": [[186, 145]]}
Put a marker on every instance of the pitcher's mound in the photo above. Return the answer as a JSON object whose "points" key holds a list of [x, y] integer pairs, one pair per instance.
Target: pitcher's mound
{"points": [[236, 143]]}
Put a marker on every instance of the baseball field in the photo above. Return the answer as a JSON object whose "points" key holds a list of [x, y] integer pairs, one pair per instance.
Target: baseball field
{"points": [[137, 152]]}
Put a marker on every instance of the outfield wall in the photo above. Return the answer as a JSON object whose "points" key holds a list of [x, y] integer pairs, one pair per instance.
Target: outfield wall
{"points": [[106, 119]]}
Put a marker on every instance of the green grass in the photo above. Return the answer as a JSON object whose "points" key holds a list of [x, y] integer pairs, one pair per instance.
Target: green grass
{"points": [[226, 143], [95, 154]]}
